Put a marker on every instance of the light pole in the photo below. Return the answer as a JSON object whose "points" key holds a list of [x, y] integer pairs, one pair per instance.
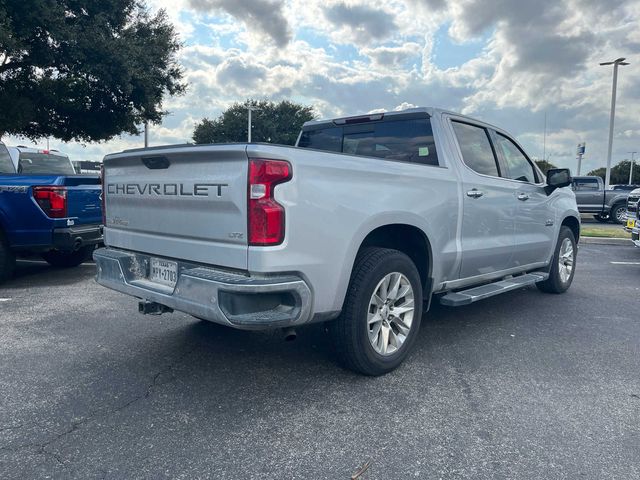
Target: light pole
{"points": [[631, 167], [544, 138], [580, 153], [615, 63], [146, 133]]}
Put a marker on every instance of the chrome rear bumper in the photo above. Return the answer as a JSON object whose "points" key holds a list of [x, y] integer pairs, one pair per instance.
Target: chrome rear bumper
{"points": [[232, 299]]}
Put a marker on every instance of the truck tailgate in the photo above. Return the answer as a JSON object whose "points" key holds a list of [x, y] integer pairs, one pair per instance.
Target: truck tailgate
{"points": [[183, 202], [83, 199]]}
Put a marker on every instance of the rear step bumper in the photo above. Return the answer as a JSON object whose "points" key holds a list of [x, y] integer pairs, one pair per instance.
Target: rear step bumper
{"points": [[235, 300], [465, 297], [73, 238]]}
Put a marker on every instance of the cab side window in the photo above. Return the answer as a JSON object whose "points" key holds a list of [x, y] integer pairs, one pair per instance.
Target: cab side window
{"points": [[583, 184], [519, 167], [476, 149]]}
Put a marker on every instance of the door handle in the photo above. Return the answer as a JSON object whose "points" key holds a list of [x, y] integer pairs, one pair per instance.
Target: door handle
{"points": [[473, 193], [523, 197]]}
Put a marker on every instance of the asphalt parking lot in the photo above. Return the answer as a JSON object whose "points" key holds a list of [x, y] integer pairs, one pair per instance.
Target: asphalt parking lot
{"points": [[525, 385]]}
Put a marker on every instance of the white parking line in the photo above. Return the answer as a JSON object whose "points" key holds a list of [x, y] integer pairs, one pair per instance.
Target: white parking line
{"points": [[624, 263], [4, 299]]}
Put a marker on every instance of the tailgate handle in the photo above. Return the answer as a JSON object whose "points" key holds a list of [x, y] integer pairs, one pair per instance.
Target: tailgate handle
{"points": [[156, 163]]}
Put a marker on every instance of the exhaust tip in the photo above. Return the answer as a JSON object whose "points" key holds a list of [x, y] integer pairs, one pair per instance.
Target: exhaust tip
{"points": [[77, 244], [289, 334]]}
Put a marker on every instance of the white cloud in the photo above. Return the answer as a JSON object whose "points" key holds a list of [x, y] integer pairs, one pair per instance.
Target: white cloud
{"points": [[395, 56], [265, 15], [364, 23]]}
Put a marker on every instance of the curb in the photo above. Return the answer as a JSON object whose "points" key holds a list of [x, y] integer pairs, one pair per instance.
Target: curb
{"points": [[605, 241]]}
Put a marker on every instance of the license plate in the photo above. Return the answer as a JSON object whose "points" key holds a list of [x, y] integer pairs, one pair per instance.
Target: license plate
{"points": [[631, 223], [164, 272]]}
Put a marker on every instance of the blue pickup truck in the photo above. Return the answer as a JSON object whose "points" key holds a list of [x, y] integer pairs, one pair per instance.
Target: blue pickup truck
{"points": [[46, 209]]}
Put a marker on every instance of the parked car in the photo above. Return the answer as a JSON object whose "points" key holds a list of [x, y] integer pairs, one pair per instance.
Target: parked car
{"points": [[632, 210], [365, 221], [624, 187], [606, 205], [46, 209]]}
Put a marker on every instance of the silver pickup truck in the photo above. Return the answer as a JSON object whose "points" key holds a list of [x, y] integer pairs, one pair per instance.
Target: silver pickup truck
{"points": [[362, 224]]}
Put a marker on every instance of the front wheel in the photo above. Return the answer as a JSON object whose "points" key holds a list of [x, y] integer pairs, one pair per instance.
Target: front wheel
{"points": [[563, 266], [618, 214], [60, 259], [381, 314]]}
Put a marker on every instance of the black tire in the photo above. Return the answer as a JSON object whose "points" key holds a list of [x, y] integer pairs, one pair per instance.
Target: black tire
{"points": [[601, 219], [615, 214], [555, 284], [350, 330], [7, 260], [60, 259]]}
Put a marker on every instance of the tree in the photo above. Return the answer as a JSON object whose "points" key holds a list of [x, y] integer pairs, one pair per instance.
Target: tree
{"points": [[598, 172], [84, 69], [545, 165], [619, 173], [271, 122]]}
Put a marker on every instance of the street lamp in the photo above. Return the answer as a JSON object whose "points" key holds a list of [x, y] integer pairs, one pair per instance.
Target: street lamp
{"points": [[615, 63], [631, 167]]}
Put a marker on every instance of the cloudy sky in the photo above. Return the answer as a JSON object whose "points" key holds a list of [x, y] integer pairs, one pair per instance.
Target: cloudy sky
{"points": [[504, 61]]}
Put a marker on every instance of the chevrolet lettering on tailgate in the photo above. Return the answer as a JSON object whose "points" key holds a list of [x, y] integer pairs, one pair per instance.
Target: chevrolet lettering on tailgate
{"points": [[170, 189]]}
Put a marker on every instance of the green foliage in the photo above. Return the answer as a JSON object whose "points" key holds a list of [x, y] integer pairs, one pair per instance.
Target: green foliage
{"points": [[545, 165], [274, 123], [84, 69], [619, 173]]}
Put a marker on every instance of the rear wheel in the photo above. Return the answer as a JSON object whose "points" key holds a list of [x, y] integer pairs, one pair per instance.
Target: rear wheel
{"points": [[7, 259], [381, 314], [563, 266], [60, 259], [618, 214]]}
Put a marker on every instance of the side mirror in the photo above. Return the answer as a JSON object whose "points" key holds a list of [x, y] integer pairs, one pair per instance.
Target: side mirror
{"points": [[557, 178]]}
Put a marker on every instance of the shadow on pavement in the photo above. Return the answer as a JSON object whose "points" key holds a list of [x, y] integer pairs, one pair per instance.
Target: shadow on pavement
{"points": [[37, 273]]}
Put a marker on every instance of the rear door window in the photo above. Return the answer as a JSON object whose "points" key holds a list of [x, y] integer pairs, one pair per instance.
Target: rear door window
{"points": [[476, 149], [408, 140], [6, 165]]}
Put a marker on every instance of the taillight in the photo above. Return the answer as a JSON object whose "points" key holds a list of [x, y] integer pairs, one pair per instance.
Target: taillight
{"points": [[102, 199], [266, 216], [52, 200]]}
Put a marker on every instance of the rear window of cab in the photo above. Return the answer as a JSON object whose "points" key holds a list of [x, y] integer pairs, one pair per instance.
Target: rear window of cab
{"points": [[406, 140]]}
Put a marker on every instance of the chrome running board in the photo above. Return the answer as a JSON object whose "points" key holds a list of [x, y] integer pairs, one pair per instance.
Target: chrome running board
{"points": [[465, 297]]}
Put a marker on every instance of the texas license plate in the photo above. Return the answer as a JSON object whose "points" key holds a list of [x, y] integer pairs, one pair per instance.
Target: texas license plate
{"points": [[164, 272], [631, 222]]}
